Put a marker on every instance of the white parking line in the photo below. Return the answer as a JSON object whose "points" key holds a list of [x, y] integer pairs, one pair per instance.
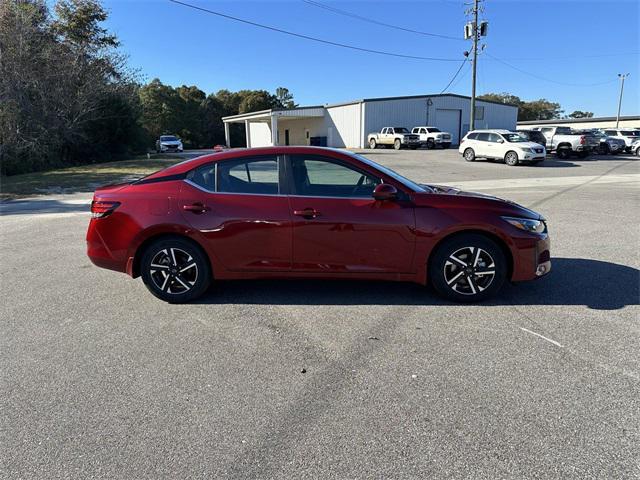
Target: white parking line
{"points": [[543, 337]]}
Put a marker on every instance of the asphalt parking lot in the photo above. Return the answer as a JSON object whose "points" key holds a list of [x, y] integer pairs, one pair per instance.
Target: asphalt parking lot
{"points": [[101, 380]]}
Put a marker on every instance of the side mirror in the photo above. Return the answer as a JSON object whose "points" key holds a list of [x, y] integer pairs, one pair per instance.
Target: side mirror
{"points": [[500, 140], [385, 191]]}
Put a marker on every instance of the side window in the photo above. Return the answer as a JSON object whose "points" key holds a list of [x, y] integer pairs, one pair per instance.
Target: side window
{"points": [[204, 177], [483, 137], [384, 130], [257, 175], [472, 136], [424, 130], [315, 176], [494, 137], [611, 133], [546, 130]]}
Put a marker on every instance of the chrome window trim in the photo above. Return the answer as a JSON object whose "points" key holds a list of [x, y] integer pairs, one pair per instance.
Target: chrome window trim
{"points": [[195, 185]]}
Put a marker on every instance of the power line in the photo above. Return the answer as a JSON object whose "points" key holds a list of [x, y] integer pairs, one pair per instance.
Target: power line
{"points": [[377, 22], [454, 76], [534, 75], [314, 39]]}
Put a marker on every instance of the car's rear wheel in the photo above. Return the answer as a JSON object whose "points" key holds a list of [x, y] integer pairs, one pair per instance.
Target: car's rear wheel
{"points": [[469, 155], [511, 159], [397, 144], [563, 153], [175, 270], [431, 144], [372, 144], [468, 268]]}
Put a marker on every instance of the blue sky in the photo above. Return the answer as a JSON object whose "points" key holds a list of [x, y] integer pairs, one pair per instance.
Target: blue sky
{"points": [[557, 40]]}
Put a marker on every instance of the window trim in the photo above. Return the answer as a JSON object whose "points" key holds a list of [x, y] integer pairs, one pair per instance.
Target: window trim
{"points": [[279, 161]]}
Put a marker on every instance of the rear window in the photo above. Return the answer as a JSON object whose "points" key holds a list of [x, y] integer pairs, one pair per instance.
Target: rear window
{"points": [[472, 136], [631, 133], [563, 131], [433, 130]]}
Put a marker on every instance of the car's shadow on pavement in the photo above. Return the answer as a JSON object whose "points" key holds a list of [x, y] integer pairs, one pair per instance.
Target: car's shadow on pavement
{"points": [[39, 206], [572, 281]]}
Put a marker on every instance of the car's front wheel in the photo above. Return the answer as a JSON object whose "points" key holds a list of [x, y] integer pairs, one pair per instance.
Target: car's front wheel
{"points": [[175, 270], [468, 268], [511, 159], [397, 144], [372, 144]]}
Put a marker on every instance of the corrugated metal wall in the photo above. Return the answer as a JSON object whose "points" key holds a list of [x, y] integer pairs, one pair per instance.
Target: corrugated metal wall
{"points": [[413, 112], [343, 126]]}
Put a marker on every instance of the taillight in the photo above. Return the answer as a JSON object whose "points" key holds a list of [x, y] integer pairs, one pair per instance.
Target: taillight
{"points": [[583, 140], [101, 209]]}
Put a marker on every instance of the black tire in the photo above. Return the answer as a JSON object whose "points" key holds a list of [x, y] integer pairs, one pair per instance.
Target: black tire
{"points": [[563, 153], [469, 155], [467, 283], [175, 270], [605, 150], [397, 144], [372, 144], [430, 144], [511, 159]]}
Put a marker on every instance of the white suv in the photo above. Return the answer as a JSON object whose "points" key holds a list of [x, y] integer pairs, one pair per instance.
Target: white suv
{"points": [[629, 135], [505, 145]]}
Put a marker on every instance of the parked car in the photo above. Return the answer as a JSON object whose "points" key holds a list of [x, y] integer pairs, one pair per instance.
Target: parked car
{"points": [[565, 142], [628, 135], [309, 212], [534, 136], [432, 137], [607, 144], [168, 143], [505, 145], [635, 148], [398, 137]]}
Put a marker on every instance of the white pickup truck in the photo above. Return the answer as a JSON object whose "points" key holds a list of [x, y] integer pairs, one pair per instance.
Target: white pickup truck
{"points": [[398, 137], [432, 137], [565, 142]]}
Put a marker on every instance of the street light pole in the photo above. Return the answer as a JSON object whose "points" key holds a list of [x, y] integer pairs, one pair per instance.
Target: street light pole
{"points": [[622, 76]]}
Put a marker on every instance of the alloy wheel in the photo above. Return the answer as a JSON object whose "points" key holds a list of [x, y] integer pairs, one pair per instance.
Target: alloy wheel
{"points": [[469, 270], [173, 271], [511, 159]]}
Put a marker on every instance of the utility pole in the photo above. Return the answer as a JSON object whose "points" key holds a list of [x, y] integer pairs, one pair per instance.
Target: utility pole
{"points": [[471, 31], [622, 76]]}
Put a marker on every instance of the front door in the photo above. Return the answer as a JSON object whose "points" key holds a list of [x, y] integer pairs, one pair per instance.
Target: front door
{"points": [[236, 205], [339, 227]]}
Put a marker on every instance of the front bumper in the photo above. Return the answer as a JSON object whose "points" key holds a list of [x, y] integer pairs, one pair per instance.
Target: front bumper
{"points": [[170, 148], [532, 258]]}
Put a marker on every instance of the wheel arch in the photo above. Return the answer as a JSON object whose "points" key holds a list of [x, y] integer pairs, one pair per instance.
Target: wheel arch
{"points": [[154, 237], [498, 240], [511, 151]]}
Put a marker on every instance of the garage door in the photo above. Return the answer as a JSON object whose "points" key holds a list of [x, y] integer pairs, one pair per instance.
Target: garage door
{"points": [[449, 121]]}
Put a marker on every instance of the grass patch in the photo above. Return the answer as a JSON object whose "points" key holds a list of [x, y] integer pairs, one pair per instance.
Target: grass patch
{"points": [[82, 178]]}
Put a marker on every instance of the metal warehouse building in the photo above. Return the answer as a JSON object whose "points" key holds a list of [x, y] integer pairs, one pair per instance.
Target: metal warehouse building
{"points": [[346, 125]]}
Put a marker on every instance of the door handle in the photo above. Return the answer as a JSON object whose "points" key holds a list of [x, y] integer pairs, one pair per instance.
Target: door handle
{"points": [[196, 208], [307, 213]]}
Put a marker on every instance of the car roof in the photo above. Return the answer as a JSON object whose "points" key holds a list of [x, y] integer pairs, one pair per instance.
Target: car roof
{"points": [[192, 163], [492, 130]]}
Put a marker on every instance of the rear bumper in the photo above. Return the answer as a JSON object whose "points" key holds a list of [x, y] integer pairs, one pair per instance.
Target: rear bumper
{"points": [[100, 254]]}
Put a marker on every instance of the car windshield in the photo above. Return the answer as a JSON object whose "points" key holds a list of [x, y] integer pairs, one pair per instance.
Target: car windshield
{"points": [[631, 133], [168, 138], [400, 130], [433, 130], [396, 176], [514, 137]]}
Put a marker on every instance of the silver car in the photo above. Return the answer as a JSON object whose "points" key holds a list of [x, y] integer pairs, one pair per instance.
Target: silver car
{"points": [[168, 143]]}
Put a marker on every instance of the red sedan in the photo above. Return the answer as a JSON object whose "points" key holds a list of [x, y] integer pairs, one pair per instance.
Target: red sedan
{"points": [[306, 212]]}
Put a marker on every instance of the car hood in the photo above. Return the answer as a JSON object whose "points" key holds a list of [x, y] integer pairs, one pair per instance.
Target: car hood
{"points": [[170, 142], [527, 144], [505, 207]]}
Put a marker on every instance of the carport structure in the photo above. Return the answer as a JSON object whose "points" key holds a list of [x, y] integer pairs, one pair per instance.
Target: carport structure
{"points": [[293, 126]]}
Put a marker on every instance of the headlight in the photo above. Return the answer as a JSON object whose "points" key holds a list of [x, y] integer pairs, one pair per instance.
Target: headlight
{"points": [[527, 150], [527, 224]]}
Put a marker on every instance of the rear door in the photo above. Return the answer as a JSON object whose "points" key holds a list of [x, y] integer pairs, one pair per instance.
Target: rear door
{"points": [[482, 145], [338, 227], [237, 205]]}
